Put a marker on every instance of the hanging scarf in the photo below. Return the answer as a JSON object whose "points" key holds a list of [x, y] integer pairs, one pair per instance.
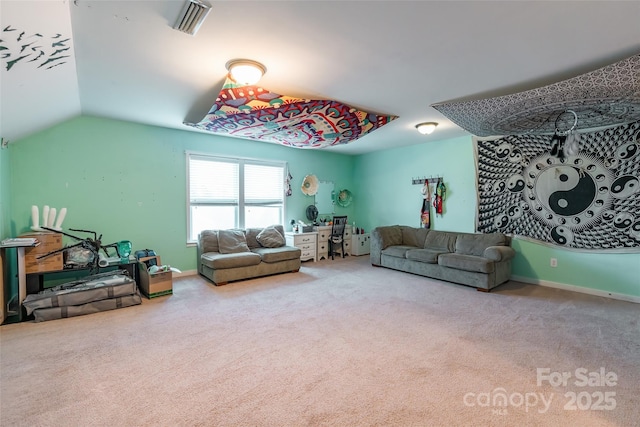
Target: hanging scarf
{"points": [[425, 220], [287, 183], [438, 196]]}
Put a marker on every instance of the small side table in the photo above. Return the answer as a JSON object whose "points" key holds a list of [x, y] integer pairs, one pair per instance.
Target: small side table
{"points": [[361, 244]]}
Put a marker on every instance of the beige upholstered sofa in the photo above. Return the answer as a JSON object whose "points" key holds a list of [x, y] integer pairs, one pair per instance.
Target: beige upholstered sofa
{"points": [[229, 255], [479, 260]]}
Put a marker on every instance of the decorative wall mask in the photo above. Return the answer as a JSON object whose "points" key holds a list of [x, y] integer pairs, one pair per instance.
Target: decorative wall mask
{"points": [[310, 185], [608, 96], [42, 51], [344, 198], [588, 199], [253, 112]]}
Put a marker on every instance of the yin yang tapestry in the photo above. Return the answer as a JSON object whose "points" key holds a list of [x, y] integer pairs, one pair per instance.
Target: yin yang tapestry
{"points": [[585, 199], [252, 112]]}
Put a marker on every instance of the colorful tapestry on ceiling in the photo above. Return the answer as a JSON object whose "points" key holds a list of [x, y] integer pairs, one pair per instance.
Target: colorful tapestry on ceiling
{"points": [[252, 112], [584, 200]]}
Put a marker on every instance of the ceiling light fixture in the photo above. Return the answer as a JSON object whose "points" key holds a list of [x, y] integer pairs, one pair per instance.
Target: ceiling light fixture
{"points": [[245, 71], [426, 128]]}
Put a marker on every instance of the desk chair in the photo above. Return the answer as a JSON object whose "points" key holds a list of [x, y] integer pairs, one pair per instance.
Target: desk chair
{"points": [[337, 235]]}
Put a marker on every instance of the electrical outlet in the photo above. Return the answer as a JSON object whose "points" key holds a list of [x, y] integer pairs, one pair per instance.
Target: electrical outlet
{"points": [[553, 262]]}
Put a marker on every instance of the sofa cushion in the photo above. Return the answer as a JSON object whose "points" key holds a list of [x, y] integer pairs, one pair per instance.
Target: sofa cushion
{"points": [[441, 240], [250, 234], [475, 244], [283, 253], [467, 263], [269, 237], [412, 236], [232, 241], [208, 241], [398, 251], [241, 259], [499, 253], [391, 235], [424, 255]]}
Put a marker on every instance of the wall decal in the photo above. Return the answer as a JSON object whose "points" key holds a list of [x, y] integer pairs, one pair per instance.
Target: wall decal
{"points": [[589, 200], [608, 96], [253, 112], [18, 47]]}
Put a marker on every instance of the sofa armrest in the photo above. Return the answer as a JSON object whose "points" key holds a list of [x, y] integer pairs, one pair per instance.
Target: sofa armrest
{"points": [[499, 253], [375, 247], [382, 238], [199, 255]]}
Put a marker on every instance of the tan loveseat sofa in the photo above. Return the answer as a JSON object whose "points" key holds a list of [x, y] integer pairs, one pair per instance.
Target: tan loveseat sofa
{"points": [[228, 255], [479, 260]]}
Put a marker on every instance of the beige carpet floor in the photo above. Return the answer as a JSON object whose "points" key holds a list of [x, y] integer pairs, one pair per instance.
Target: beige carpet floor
{"points": [[340, 343]]}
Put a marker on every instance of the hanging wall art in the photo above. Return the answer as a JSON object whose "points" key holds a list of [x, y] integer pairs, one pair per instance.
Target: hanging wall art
{"points": [[252, 112], [582, 199], [607, 96]]}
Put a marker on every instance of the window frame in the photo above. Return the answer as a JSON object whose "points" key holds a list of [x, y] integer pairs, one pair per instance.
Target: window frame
{"points": [[241, 162]]}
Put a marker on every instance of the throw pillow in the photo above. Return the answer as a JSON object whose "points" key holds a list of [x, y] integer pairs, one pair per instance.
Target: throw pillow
{"points": [[270, 238], [232, 241]]}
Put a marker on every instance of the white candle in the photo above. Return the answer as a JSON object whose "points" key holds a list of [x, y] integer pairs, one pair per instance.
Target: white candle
{"points": [[35, 216], [52, 217], [61, 215], [45, 216]]}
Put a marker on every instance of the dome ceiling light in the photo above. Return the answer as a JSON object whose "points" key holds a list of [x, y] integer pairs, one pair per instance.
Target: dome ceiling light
{"points": [[426, 128], [245, 71]]}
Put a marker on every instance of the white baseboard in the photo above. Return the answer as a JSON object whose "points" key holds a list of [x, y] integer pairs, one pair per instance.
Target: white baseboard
{"points": [[573, 288]]}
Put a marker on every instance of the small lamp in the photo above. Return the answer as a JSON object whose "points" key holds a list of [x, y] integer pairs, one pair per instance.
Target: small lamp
{"points": [[426, 128], [245, 71]]}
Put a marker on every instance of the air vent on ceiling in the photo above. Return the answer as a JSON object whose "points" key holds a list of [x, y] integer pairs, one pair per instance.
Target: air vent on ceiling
{"points": [[192, 16]]}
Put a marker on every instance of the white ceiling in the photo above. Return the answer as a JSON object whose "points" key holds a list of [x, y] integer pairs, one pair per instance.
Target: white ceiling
{"points": [[388, 57]]}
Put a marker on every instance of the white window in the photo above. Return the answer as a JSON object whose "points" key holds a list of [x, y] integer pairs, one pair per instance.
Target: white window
{"points": [[233, 193]]}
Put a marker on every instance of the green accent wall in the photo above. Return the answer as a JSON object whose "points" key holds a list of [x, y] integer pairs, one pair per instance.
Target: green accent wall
{"points": [[128, 181], [386, 196], [5, 186]]}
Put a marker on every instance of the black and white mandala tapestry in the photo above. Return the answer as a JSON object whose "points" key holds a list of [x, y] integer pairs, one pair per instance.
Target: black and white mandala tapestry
{"points": [[584, 199]]}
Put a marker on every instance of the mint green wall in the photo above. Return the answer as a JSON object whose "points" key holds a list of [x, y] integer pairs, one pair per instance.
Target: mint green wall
{"points": [[128, 181], [386, 195], [616, 273], [384, 182], [5, 180]]}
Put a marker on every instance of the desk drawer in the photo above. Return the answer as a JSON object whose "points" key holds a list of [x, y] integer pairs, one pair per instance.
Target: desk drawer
{"points": [[305, 239], [307, 254]]}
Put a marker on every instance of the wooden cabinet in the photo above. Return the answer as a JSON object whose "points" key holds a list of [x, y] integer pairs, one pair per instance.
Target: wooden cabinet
{"points": [[361, 244], [324, 232], [306, 242]]}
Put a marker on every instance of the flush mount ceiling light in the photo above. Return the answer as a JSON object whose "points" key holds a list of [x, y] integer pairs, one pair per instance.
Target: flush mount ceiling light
{"points": [[192, 16], [426, 128], [245, 71]]}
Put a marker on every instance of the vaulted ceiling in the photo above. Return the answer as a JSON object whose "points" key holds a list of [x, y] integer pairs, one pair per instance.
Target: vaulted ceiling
{"points": [[124, 60]]}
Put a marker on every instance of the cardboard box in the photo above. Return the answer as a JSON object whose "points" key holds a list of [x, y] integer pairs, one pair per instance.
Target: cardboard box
{"points": [[154, 284], [48, 242]]}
